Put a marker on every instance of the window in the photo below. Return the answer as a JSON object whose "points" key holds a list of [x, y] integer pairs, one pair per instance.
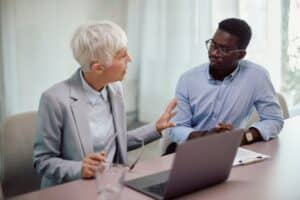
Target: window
{"points": [[291, 55]]}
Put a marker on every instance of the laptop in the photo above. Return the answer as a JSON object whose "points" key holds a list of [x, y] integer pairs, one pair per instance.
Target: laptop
{"points": [[198, 164]]}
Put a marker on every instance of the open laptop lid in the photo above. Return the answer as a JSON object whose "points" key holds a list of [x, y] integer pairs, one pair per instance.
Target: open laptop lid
{"points": [[203, 162], [198, 163]]}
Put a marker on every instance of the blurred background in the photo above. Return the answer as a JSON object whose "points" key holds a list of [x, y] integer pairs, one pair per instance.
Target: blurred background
{"points": [[166, 38]]}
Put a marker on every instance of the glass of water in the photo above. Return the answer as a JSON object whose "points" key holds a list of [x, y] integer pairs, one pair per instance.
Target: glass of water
{"points": [[109, 181]]}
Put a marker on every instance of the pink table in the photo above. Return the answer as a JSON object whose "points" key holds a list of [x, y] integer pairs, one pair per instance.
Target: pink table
{"points": [[275, 178]]}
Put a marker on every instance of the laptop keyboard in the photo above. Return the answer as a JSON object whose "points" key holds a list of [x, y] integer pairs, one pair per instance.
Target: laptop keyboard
{"points": [[157, 188]]}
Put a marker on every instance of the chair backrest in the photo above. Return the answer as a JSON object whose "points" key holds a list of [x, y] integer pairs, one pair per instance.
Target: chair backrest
{"points": [[254, 116], [17, 172], [1, 193]]}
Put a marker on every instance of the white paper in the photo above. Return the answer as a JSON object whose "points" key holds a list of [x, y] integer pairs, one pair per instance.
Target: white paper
{"points": [[245, 156]]}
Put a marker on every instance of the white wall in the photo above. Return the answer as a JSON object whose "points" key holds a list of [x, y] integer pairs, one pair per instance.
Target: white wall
{"points": [[35, 45]]}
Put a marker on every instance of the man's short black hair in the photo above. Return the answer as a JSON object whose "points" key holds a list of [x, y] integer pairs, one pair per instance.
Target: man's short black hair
{"points": [[239, 28]]}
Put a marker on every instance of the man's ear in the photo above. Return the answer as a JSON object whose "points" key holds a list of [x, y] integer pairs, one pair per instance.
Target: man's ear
{"points": [[96, 67], [241, 54]]}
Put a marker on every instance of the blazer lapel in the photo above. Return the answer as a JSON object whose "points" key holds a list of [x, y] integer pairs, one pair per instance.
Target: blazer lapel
{"points": [[79, 110], [118, 112]]}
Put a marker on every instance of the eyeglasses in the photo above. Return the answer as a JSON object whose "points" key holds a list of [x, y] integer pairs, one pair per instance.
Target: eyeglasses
{"points": [[211, 45]]}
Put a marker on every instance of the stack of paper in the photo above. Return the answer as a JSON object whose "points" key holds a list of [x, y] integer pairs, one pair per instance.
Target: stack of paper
{"points": [[245, 156]]}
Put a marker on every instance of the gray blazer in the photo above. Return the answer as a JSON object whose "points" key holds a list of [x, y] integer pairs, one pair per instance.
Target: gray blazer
{"points": [[63, 138]]}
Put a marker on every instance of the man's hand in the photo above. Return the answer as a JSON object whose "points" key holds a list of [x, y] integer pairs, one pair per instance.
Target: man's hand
{"points": [[255, 134], [90, 164], [221, 127], [164, 120], [196, 134]]}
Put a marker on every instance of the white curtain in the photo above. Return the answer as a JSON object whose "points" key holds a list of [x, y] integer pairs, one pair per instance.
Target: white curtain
{"points": [[34, 45], [166, 38], [171, 42], [292, 66], [171, 36], [2, 112]]}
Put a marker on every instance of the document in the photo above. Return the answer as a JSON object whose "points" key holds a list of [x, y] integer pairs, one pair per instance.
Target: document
{"points": [[245, 157]]}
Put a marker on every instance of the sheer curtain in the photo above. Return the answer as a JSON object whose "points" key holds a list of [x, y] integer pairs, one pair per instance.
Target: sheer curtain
{"points": [[170, 43], [34, 45], [171, 40], [292, 57], [1, 72]]}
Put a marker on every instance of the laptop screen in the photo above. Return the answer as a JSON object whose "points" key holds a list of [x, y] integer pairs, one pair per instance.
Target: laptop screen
{"points": [[198, 163]]}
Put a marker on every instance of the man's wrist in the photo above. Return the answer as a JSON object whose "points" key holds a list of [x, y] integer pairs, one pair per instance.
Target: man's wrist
{"points": [[250, 136], [196, 134]]}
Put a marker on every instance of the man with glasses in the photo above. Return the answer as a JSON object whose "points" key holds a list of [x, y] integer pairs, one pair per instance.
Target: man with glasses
{"points": [[227, 89]]}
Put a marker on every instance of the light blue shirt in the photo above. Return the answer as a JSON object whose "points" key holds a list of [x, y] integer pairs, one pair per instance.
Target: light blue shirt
{"points": [[203, 102], [100, 120]]}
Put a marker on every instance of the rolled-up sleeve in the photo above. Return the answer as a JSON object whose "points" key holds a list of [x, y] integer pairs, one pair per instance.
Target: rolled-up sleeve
{"points": [[268, 108]]}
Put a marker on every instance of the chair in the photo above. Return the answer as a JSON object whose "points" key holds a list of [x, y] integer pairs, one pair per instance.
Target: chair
{"points": [[16, 149], [165, 141], [254, 116], [1, 193]]}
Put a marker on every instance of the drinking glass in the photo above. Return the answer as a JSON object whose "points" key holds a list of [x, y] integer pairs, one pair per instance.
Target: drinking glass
{"points": [[110, 176], [109, 181]]}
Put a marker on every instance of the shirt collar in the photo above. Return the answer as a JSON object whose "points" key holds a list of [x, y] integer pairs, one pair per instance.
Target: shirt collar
{"points": [[234, 73], [230, 77], [92, 94]]}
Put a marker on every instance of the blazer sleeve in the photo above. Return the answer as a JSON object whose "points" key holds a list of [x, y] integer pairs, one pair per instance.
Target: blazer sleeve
{"points": [[147, 133], [47, 146]]}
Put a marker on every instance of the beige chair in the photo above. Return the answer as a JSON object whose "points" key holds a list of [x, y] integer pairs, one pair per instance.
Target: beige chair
{"points": [[17, 172], [165, 141], [1, 193], [254, 117]]}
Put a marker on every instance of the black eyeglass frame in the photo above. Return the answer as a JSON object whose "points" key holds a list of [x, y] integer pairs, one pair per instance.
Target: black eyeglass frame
{"points": [[211, 45]]}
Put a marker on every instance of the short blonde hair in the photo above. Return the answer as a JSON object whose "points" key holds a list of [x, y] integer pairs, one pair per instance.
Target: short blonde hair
{"points": [[97, 42]]}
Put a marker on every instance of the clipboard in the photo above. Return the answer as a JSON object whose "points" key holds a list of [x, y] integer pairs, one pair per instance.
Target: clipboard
{"points": [[246, 157]]}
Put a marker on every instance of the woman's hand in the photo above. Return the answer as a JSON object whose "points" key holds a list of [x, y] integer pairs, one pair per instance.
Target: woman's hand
{"points": [[164, 120], [90, 164]]}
